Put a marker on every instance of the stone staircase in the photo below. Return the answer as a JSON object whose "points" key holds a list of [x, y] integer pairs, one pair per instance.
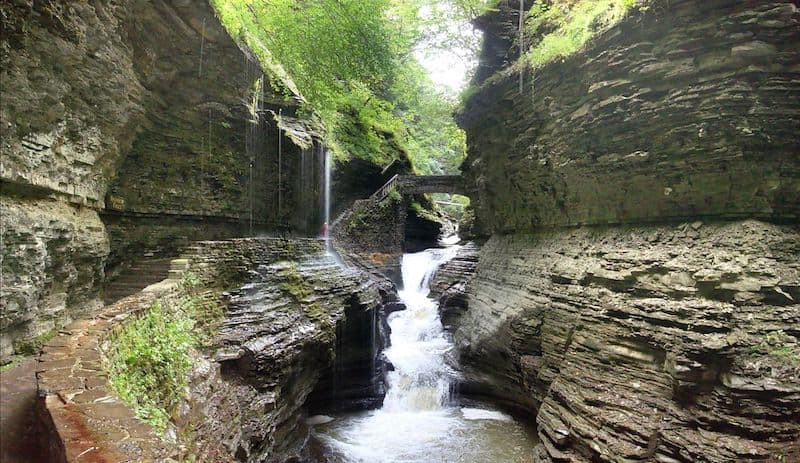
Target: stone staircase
{"points": [[140, 274]]}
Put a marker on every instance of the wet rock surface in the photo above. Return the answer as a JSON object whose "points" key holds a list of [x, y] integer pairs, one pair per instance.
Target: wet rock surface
{"points": [[373, 234], [670, 342], [300, 324], [136, 111], [663, 343], [449, 283], [688, 109], [284, 338], [27, 434]]}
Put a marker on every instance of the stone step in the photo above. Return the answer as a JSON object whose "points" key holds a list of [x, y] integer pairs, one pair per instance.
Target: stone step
{"points": [[138, 276]]}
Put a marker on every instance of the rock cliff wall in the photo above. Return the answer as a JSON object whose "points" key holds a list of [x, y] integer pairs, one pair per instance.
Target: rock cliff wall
{"points": [[373, 234], [688, 109], [117, 115], [282, 330], [627, 298], [287, 333], [671, 343]]}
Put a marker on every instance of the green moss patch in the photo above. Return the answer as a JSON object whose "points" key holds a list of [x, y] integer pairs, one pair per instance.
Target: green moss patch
{"points": [[300, 289], [33, 346], [562, 28], [780, 347]]}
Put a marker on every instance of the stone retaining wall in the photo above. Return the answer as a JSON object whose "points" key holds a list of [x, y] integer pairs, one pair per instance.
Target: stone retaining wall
{"points": [[90, 419], [94, 424]]}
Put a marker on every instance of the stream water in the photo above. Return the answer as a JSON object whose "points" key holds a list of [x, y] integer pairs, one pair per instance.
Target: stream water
{"points": [[419, 421]]}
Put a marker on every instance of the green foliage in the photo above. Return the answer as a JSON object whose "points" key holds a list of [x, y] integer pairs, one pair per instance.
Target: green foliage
{"points": [[149, 363], [151, 355], [190, 282], [420, 211], [360, 220], [562, 28], [352, 61], [452, 206], [395, 196], [11, 364]]}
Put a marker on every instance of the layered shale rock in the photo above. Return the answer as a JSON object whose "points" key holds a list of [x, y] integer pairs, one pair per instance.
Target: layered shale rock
{"points": [[51, 267], [142, 114], [688, 109], [285, 335], [449, 284], [374, 233], [298, 322], [674, 341]]}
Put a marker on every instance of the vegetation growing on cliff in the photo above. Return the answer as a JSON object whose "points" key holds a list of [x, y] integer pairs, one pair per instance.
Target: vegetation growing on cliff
{"points": [[353, 62], [781, 347], [559, 29], [554, 30], [300, 289], [150, 363], [150, 357]]}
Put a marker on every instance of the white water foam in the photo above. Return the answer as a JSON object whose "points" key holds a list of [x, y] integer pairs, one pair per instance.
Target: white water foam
{"points": [[482, 414], [418, 423]]}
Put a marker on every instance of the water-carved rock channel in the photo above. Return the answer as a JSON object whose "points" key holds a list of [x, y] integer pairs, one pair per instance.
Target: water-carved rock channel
{"points": [[222, 222], [421, 420]]}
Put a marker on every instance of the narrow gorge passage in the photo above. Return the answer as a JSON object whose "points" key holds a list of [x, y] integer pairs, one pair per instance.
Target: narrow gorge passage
{"points": [[223, 231], [420, 420]]}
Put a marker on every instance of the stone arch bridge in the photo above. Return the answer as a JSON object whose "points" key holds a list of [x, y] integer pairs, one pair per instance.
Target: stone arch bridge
{"points": [[418, 184]]}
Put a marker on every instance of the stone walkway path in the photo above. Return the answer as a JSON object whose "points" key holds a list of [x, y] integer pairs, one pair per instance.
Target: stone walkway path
{"points": [[24, 438]]}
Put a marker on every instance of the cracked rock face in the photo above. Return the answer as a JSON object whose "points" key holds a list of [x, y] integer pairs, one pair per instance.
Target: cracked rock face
{"points": [[657, 343], [685, 110], [110, 101], [662, 342], [284, 335], [51, 267]]}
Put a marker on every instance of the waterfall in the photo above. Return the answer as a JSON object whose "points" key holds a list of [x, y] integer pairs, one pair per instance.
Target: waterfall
{"points": [[421, 379], [419, 421], [255, 138], [304, 191], [326, 202]]}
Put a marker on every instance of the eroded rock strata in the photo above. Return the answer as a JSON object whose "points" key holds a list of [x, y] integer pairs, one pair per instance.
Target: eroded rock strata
{"points": [[295, 328], [296, 323], [673, 341], [687, 109], [128, 130]]}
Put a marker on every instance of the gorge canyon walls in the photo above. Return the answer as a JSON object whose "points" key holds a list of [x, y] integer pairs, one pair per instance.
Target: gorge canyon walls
{"points": [[682, 111], [130, 127], [638, 292], [294, 322]]}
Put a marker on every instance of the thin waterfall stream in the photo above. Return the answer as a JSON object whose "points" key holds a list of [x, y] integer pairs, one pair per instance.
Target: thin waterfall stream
{"points": [[420, 421], [326, 201]]}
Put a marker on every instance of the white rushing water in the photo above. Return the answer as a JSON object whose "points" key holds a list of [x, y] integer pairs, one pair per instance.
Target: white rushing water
{"points": [[421, 379], [418, 421], [326, 202]]}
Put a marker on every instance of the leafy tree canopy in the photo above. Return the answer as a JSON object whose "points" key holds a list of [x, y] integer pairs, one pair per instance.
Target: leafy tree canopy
{"points": [[353, 62]]}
